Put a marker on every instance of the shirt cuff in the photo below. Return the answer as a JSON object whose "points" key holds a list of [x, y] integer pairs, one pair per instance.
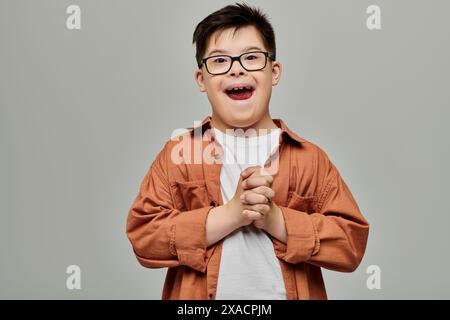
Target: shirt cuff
{"points": [[188, 238], [302, 237]]}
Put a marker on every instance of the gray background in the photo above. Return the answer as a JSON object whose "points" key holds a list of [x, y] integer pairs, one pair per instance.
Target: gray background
{"points": [[84, 112]]}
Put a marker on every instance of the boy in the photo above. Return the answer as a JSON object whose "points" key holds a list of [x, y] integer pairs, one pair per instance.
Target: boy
{"points": [[249, 228]]}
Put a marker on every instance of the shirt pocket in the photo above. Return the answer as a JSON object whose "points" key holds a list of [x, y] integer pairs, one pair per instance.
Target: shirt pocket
{"points": [[302, 203], [190, 195]]}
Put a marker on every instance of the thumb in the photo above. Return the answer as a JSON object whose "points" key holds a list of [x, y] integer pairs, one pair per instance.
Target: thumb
{"points": [[249, 171]]}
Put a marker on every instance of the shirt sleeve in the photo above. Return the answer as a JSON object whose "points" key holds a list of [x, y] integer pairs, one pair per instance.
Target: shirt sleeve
{"points": [[161, 235], [335, 236]]}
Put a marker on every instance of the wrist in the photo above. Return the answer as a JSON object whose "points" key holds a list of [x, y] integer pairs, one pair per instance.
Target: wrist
{"points": [[234, 212], [274, 219]]}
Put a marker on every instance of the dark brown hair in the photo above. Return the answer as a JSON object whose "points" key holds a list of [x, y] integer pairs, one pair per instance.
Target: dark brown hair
{"points": [[233, 16]]}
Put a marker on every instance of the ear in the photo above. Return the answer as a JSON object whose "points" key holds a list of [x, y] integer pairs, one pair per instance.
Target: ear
{"points": [[276, 72], [199, 79]]}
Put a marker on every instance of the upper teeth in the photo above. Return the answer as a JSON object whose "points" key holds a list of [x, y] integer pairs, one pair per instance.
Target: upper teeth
{"points": [[240, 88]]}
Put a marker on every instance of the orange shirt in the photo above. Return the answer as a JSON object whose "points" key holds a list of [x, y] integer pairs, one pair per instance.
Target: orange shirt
{"points": [[166, 222]]}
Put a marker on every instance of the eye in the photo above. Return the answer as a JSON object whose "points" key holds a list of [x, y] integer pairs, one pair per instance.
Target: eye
{"points": [[219, 60], [251, 57]]}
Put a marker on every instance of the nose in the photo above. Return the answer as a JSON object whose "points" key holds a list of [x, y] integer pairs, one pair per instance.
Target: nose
{"points": [[236, 68]]}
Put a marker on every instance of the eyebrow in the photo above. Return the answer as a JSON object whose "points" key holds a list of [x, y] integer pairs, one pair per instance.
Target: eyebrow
{"points": [[225, 51]]}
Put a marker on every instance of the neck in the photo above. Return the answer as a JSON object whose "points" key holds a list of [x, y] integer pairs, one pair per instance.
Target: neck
{"points": [[265, 122]]}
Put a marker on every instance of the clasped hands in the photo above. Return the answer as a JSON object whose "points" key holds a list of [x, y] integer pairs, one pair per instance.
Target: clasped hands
{"points": [[253, 199]]}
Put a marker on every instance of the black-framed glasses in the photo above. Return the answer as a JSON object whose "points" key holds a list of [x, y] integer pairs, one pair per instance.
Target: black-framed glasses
{"points": [[250, 61]]}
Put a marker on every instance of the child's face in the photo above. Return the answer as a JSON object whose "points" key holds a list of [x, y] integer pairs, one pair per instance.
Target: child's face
{"points": [[227, 110]]}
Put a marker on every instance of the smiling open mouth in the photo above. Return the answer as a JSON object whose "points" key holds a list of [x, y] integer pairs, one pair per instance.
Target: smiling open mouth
{"points": [[240, 94]]}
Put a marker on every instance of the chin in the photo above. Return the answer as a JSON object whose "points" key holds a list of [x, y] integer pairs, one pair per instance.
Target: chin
{"points": [[243, 121], [240, 116]]}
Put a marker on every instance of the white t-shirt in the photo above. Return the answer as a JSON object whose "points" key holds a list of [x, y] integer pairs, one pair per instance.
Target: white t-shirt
{"points": [[249, 268]]}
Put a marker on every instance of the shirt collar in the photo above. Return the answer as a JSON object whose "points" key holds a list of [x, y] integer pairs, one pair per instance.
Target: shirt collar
{"points": [[285, 131]]}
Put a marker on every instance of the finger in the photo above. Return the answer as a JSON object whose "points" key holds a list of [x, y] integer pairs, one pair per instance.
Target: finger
{"points": [[265, 191], [253, 182], [252, 215], [250, 197], [259, 223], [249, 171], [261, 208], [264, 172]]}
